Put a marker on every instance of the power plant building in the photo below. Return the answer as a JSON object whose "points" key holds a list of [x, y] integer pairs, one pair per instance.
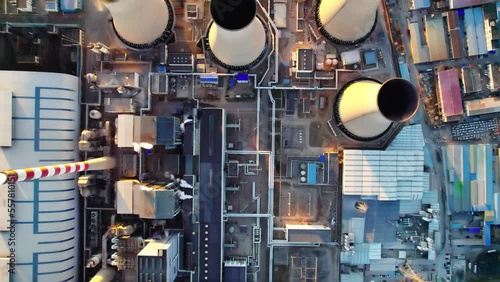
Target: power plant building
{"points": [[385, 175], [40, 121]]}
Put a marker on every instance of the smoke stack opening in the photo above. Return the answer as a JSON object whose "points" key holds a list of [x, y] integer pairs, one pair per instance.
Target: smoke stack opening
{"points": [[398, 100], [233, 14]]}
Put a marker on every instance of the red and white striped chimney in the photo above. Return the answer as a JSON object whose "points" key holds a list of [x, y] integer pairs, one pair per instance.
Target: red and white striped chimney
{"points": [[26, 174]]}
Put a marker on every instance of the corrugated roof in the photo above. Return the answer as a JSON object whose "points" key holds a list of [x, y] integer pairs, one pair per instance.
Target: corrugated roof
{"points": [[475, 33], [385, 265], [482, 106], [388, 175], [409, 206], [409, 138], [457, 4], [450, 94], [454, 30], [357, 227], [430, 197], [435, 35]]}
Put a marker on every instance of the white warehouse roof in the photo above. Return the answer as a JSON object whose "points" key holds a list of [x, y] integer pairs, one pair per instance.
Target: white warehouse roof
{"points": [[388, 175]]}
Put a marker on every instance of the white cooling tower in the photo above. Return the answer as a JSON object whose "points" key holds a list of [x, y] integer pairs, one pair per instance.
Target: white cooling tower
{"points": [[141, 24], [365, 109], [347, 21], [237, 38]]}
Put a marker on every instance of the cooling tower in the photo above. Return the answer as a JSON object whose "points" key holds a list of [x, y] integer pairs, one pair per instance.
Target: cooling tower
{"points": [[142, 24], [237, 38], [365, 109], [347, 22]]}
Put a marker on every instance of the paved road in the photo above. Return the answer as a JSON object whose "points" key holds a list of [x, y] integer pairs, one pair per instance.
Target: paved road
{"points": [[433, 147]]}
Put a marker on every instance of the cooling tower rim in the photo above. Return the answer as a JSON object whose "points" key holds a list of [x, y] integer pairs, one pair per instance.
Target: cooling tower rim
{"points": [[238, 68], [340, 41], [166, 36], [245, 10], [336, 113]]}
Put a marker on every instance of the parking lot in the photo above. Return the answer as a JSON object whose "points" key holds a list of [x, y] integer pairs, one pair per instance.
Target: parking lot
{"points": [[476, 130]]}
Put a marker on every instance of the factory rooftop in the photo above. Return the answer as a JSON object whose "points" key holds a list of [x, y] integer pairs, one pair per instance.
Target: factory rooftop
{"points": [[457, 4], [211, 194], [450, 94]]}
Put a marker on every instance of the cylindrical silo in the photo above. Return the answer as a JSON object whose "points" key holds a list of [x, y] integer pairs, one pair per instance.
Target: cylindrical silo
{"points": [[237, 38], [142, 24], [44, 118], [365, 109], [347, 21]]}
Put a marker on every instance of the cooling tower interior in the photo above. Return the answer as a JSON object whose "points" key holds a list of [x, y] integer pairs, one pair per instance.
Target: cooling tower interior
{"points": [[237, 38], [365, 109]]}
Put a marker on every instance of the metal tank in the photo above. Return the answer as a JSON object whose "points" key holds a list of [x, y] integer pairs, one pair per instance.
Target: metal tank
{"points": [[142, 24], [237, 38], [365, 109], [347, 22]]}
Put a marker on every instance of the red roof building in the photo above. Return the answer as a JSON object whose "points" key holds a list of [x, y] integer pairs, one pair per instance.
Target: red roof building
{"points": [[450, 95]]}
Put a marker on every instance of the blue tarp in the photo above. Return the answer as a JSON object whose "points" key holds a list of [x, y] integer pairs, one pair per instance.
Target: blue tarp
{"points": [[403, 69], [311, 173], [487, 233], [474, 230], [242, 77]]}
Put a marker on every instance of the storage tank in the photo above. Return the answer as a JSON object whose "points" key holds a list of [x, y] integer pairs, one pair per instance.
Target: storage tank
{"points": [[347, 22], [43, 117], [365, 109], [142, 24], [237, 37]]}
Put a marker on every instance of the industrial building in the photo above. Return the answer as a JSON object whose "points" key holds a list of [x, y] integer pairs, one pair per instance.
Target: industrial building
{"points": [[490, 25], [385, 175], [450, 95], [483, 106], [454, 34], [419, 4], [337, 23], [471, 80], [472, 185], [457, 4], [475, 33], [47, 232], [394, 174], [158, 256], [435, 37], [470, 176], [308, 233], [493, 76], [419, 50]]}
